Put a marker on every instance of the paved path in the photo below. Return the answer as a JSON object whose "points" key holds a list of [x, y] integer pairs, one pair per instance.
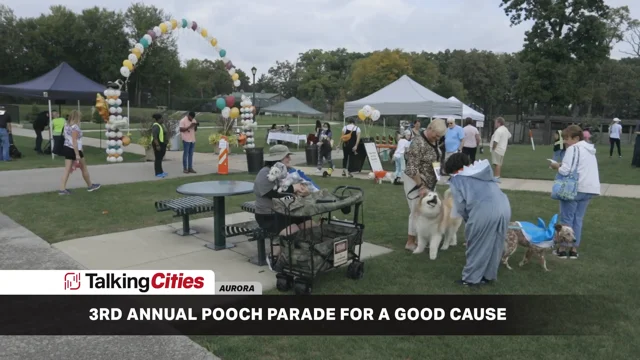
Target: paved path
{"points": [[22, 249]]}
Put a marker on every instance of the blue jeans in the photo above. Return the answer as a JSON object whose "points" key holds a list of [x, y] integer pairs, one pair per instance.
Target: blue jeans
{"points": [[572, 213], [187, 154], [398, 161], [558, 155], [4, 144]]}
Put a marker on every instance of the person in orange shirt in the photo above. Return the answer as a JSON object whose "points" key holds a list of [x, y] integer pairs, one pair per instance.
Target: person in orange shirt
{"points": [[188, 128]]}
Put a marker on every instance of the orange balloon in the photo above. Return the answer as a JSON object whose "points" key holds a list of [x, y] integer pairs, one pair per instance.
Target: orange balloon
{"points": [[126, 140]]}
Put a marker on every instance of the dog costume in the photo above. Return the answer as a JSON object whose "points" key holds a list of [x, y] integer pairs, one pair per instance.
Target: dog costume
{"points": [[477, 198], [285, 177], [538, 235]]}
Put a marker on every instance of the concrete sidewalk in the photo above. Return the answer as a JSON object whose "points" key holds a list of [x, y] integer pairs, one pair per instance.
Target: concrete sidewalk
{"points": [[22, 249]]}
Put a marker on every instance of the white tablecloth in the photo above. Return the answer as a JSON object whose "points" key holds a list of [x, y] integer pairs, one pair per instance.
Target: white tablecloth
{"points": [[292, 138]]}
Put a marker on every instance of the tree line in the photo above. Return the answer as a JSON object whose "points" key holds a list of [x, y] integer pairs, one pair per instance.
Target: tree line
{"points": [[564, 67]]}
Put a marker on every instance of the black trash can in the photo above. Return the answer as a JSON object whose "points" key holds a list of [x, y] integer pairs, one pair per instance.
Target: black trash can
{"points": [[312, 155], [255, 160]]}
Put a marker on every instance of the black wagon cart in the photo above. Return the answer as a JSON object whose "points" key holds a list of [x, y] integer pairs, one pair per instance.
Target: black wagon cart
{"points": [[315, 249]]}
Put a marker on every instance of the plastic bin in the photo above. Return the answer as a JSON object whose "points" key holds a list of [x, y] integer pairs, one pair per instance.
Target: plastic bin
{"points": [[255, 160], [311, 153]]}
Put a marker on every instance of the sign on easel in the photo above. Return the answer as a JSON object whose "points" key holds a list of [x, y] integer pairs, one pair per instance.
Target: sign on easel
{"points": [[479, 124], [374, 158]]}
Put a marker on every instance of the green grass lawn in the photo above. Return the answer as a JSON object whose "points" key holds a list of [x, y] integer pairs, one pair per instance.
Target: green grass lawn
{"points": [[31, 160], [607, 266]]}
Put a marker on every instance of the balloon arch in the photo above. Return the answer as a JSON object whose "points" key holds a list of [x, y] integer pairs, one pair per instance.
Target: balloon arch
{"points": [[110, 108]]}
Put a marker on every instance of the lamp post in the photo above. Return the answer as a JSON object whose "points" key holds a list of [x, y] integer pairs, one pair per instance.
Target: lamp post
{"points": [[169, 97], [253, 87]]}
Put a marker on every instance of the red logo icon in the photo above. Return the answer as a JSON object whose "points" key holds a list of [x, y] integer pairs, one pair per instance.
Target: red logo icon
{"points": [[72, 281]]}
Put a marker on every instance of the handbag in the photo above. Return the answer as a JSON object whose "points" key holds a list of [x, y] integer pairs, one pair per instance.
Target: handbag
{"points": [[565, 187]]}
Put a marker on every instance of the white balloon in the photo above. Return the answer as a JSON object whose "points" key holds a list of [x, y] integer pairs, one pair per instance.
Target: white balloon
{"points": [[116, 93], [112, 118], [119, 142], [236, 83], [111, 143], [217, 48], [119, 151], [367, 110], [133, 59], [118, 102], [125, 119], [109, 159], [231, 72], [226, 112], [107, 133], [119, 118], [112, 110], [119, 110], [107, 92], [156, 29], [119, 159], [169, 26], [148, 38], [139, 47], [375, 115], [124, 71], [119, 134], [107, 126], [225, 59], [199, 30], [111, 101]]}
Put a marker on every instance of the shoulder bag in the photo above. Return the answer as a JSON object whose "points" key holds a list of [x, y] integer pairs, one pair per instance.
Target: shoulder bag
{"points": [[565, 187]]}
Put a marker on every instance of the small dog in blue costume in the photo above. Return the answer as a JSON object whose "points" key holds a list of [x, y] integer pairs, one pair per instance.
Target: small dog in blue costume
{"points": [[536, 238]]}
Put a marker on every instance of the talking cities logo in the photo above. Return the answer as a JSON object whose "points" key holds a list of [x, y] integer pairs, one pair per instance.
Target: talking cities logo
{"points": [[72, 281]]}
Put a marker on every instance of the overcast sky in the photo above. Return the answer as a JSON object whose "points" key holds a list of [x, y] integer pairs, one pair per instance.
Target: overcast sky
{"points": [[259, 32]]}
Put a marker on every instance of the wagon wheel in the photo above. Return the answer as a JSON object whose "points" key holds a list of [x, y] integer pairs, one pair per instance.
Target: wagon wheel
{"points": [[355, 270], [302, 287], [284, 282]]}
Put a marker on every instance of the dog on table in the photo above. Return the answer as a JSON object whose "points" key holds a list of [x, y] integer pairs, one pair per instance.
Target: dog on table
{"points": [[516, 236], [434, 222]]}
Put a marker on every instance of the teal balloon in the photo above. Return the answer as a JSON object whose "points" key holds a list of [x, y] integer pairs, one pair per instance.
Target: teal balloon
{"points": [[144, 43], [185, 23], [223, 53], [220, 103]]}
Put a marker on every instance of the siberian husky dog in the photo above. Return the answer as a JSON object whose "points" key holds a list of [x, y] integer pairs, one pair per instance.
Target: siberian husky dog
{"points": [[434, 222]]}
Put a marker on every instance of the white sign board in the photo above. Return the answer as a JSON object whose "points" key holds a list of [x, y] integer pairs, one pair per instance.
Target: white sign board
{"points": [[340, 252], [222, 144], [372, 154], [480, 124]]}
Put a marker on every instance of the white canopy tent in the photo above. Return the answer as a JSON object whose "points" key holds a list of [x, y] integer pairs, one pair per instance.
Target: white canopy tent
{"points": [[466, 112], [404, 97]]}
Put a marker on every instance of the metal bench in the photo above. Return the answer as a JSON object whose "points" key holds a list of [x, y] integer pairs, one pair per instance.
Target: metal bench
{"points": [[185, 207]]}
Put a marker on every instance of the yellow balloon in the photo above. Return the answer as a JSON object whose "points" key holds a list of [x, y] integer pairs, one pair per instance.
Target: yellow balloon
{"points": [[136, 52], [128, 64], [214, 42], [163, 28], [204, 33], [235, 76], [361, 115], [234, 113], [174, 23]]}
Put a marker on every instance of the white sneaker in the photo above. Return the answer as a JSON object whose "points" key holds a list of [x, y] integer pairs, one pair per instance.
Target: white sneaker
{"points": [[269, 262], [318, 172]]}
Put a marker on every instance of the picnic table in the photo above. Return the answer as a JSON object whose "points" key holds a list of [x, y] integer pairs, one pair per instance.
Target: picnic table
{"points": [[217, 190]]}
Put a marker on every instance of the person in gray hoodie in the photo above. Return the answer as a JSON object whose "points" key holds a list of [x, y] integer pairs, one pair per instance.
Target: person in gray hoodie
{"points": [[486, 211]]}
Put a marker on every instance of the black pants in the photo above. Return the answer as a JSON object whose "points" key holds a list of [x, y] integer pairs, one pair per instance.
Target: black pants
{"points": [[615, 142], [348, 162], [471, 153], [159, 155], [38, 140]]}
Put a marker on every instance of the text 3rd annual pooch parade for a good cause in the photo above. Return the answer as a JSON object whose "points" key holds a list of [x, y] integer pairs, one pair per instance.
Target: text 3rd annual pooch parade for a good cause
{"points": [[295, 314]]}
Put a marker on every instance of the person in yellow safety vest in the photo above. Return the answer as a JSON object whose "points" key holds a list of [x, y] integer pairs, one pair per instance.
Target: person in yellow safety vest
{"points": [[159, 144], [559, 147], [57, 125]]}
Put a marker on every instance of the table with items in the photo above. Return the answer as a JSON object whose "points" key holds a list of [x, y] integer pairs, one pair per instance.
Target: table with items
{"points": [[286, 137]]}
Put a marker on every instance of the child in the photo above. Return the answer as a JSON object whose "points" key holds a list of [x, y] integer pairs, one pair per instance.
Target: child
{"points": [[486, 212], [398, 155]]}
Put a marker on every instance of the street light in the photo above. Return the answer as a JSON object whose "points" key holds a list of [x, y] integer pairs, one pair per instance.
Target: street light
{"points": [[253, 87], [169, 97]]}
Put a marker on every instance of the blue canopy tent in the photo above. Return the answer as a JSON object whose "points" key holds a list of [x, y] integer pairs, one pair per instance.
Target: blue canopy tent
{"points": [[59, 84]]}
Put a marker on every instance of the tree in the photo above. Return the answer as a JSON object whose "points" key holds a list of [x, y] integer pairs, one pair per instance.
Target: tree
{"points": [[285, 78], [564, 33], [377, 71], [633, 38], [319, 100]]}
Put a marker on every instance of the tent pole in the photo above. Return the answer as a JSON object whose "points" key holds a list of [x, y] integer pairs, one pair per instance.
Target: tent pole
{"points": [[51, 132], [78, 105], [298, 124]]}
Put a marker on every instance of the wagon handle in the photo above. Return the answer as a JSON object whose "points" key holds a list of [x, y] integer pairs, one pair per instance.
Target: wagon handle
{"points": [[347, 187]]}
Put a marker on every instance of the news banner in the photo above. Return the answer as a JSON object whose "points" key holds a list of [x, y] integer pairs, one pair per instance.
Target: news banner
{"points": [[192, 302]]}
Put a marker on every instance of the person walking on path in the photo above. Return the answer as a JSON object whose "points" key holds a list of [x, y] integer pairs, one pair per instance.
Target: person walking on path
{"points": [[56, 134], [452, 139], [188, 128], [5, 133], [581, 158], [615, 131], [499, 142], [41, 123], [159, 143], [72, 152], [325, 147], [471, 140], [350, 140], [404, 140], [486, 211]]}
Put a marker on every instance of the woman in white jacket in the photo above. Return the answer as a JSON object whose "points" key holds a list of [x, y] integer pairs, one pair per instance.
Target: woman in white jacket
{"points": [[572, 211]]}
